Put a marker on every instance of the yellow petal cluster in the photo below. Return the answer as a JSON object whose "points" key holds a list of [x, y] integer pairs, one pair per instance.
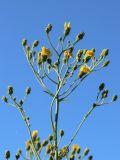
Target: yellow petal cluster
{"points": [[89, 53], [34, 134], [84, 69], [75, 147], [45, 53], [68, 55], [67, 26]]}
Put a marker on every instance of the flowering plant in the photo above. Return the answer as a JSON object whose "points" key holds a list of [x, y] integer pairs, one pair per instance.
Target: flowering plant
{"points": [[66, 70]]}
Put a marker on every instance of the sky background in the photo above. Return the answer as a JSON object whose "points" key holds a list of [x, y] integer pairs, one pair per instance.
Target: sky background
{"points": [[100, 20]]}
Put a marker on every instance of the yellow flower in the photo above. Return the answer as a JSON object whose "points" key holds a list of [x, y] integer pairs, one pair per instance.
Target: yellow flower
{"points": [[45, 53], [67, 28], [89, 54], [34, 134], [75, 148], [84, 69], [68, 55]]}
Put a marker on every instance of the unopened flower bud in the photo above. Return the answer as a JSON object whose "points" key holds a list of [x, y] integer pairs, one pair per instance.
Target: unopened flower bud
{"points": [[105, 64], [7, 154], [105, 93], [17, 156], [24, 42], [21, 102], [80, 36], [10, 90], [27, 48], [61, 133], [93, 49], [48, 28], [114, 98], [28, 91], [28, 144], [75, 67], [38, 145], [35, 43], [50, 137], [72, 157], [101, 87], [29, 55], [104, 53], [44, 143], [90, 158], [86, 151], [4, 98], [49, 61], [71, 49]]}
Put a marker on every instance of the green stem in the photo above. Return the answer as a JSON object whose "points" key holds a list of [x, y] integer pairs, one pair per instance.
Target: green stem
{"points": [[28, 127], [80, 125]]}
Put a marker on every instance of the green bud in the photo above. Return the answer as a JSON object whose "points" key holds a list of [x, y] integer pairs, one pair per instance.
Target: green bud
{"points": [[10, 90], [7, 154], [21, 102], [80, 36], [104, 53], [24, 42], [49, 61], [87, 59], [75, 67], [38, 145], [17, 156], [29, 55], [4, 98], [71, 49], [50, 138], [48, 28], [105, 93], [60, 39], [78, 150], [44, 143], [35, 43], [101, 87], [86, 151], [79, 53], [61, 133], [72, 157], [114, 98], [93, 49], [28, 90], [90, 158], [105, 64], [27, 48]]}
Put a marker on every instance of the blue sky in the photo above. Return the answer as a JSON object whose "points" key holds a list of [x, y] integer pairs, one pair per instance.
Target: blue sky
{"points": [[100, 21]]}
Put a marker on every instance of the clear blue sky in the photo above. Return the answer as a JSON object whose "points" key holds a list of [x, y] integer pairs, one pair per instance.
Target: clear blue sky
{"points": [[101, 22]]}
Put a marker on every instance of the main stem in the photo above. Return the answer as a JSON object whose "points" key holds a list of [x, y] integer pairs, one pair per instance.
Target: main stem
{"points": [[56, 118]]}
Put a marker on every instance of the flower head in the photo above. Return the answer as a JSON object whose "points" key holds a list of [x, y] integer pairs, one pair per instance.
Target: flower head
{"points": [[75, 148], [45, 53], [67, 28], [89, 53], [67, 54], [34, 134], [84, 70]]}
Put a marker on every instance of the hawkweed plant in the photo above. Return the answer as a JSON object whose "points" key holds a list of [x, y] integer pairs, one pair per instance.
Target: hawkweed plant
{"points": [[66, 70]]}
